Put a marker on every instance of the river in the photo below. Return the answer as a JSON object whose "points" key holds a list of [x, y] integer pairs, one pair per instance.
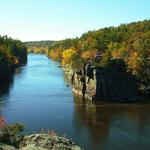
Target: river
{"points": [[38, 97]]}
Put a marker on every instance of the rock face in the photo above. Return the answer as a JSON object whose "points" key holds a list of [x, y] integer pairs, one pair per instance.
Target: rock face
{"points": [[43, 142], [115, 86], [5, 69], [112, 83]]}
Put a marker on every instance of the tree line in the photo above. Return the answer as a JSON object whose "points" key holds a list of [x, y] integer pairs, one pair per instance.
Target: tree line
{"points": [[129, 42], [12, 53]]}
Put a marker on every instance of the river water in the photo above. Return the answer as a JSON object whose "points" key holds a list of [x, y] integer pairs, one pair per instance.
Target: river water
{"points": [[38, 97]]}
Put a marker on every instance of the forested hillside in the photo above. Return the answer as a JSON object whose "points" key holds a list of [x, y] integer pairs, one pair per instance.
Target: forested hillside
{"points": [[38, 46], [12, 53], [130, 42]]}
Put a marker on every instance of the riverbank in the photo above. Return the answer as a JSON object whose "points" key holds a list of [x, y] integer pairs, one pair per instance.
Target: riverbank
{"points": [[13, 53]]}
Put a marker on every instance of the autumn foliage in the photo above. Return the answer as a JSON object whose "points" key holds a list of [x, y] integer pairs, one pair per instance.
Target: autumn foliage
{"points": [[12, 52], [130, 42], [2, 122], [88, 54], [55, 54], [67, 56]]}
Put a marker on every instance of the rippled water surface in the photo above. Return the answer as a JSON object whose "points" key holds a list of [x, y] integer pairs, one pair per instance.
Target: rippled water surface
{"points": [[39, 97]]}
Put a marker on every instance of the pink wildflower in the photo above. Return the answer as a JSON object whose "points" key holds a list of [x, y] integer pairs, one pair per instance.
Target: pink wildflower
{"points": [[51, 133], [2, 122]]}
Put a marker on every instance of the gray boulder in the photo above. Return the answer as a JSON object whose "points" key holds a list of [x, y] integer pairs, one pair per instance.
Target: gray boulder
{"points": [[6, 147], [47, 142]]}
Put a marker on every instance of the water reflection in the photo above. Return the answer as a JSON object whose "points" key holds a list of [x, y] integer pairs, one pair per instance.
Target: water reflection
{"points": [[5, 85], [114, 126], [95, 122]]}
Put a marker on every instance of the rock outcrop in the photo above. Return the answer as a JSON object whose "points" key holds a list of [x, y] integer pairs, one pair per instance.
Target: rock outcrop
{"points": [[6, 69], [43, 142], [107, 83]]}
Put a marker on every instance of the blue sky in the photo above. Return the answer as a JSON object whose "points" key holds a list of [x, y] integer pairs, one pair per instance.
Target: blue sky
{"points": [[59, 19]]}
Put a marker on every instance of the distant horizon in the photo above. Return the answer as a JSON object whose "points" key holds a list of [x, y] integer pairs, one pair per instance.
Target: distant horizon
{"points": [[56, 20]]}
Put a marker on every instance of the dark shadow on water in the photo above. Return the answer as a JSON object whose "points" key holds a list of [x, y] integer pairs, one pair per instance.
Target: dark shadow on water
{"points": [[7, 83], [128, 125]]}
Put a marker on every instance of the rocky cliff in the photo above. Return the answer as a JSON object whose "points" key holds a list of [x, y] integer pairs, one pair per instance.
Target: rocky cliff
{"points": [[109, 83]]}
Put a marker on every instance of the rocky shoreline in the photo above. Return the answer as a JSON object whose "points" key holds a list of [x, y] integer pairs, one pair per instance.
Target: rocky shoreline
{"points": [[43, 142]]}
